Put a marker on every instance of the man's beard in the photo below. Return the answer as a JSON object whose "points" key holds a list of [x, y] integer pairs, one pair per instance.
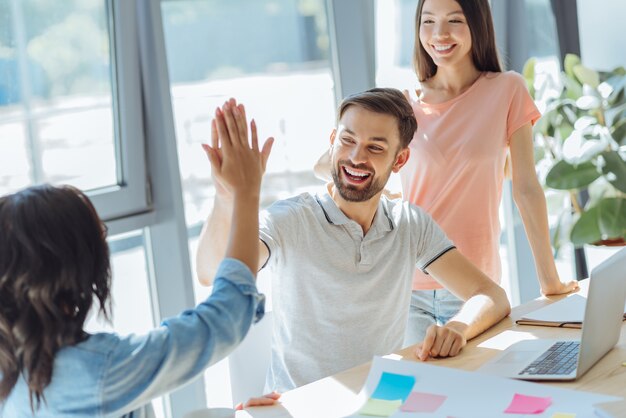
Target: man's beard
{"points": [[352, 193]]}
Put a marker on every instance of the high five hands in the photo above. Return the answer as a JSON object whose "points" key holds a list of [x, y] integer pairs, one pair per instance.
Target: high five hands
{"points": [[237, 164]]}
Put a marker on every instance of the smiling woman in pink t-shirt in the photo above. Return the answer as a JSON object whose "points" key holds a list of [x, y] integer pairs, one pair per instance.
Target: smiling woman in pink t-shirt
{"points": [[469, 113]]}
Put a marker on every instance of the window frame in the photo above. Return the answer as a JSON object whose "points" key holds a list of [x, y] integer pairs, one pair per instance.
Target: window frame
{"points": [[131, 195]]}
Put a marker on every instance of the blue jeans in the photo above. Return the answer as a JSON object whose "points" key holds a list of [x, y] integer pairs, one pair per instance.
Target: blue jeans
{"points": [[429, 307]]}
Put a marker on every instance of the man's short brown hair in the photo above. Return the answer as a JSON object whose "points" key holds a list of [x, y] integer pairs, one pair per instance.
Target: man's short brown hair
{"points": [[388, 101]]}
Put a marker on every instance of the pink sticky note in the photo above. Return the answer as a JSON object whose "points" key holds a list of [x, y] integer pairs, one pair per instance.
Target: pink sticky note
{"points": [[522, 404], [422, 402]]}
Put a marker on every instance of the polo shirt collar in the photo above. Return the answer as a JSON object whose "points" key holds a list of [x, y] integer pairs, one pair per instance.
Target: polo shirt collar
{"points": [[334, 215]]}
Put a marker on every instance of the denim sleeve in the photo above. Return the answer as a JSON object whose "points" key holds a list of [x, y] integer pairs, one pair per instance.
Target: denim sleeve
{"points": [[144, 367]]}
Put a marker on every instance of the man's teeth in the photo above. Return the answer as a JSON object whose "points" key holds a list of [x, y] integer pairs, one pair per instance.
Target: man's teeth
{"points": [[354, 173], [442, 47]]}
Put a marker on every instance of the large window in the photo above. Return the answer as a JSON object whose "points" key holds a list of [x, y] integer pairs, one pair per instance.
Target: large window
{"points": [[271, 55], [279, 68], [395, 29], [60, 112], [57, 117], [60, 101], [71, 113]]}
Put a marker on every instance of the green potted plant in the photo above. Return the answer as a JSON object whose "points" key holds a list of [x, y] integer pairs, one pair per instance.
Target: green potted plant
{"points": [[580, 149]]}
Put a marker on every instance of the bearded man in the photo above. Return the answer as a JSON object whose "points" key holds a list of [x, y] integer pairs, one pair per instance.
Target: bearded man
{"points": [[342, 261]]}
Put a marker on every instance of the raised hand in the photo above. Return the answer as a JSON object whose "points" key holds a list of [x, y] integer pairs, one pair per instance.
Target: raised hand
{"points": [[237, 167], [237, 164]]}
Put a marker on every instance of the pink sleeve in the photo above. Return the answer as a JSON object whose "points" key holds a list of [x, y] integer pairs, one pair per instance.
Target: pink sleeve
{"points": [[522, 108]]}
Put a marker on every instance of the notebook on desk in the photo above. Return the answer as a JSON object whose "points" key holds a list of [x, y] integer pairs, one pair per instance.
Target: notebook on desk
{"points": [[566, 313], [544, 359]]}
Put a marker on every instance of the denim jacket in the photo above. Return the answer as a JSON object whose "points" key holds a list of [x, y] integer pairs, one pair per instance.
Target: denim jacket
{"points": [[112, 376]]}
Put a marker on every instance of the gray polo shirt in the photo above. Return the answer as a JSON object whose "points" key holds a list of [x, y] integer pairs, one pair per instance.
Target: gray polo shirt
{"points": [[340, 297]]}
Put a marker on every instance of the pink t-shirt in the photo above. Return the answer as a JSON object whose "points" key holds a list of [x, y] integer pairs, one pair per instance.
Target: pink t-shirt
{"points": [[456, 168]]}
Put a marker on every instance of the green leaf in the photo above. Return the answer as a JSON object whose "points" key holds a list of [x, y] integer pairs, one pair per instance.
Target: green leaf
{"points": [[529, 75], [612, 218], [565, 130], [570, 61], [616, 98], [586, 229], [618, 132], [586, 75], [619, 70], [615, 167], [565, 176], [573, 89], [606, 220]]}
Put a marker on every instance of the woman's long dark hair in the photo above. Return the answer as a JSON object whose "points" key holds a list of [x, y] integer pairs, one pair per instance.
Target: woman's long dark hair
{"points": [[54, 259], [484, 50]]}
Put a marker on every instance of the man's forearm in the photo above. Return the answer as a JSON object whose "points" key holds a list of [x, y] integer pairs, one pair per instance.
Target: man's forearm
{"points": [[486, 302], [213, 240], [481, 312]]}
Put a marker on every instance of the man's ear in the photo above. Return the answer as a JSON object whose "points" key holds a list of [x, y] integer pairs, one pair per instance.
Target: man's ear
{"points": [[401, 159], [333, 134]]}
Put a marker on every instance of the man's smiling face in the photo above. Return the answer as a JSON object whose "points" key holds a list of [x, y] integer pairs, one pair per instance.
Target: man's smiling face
{"points": [[365, 149]]}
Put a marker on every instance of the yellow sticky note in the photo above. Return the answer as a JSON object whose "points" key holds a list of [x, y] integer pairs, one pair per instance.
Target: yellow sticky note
{"points": [[380, 408], [563, 415]]}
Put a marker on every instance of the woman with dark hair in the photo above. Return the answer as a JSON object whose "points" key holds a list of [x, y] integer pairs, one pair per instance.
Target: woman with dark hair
{"points": [[54, 261], [470, 114]]}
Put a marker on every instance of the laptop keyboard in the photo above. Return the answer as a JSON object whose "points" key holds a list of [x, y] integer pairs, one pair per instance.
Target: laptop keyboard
{"points": [[560, 359]]}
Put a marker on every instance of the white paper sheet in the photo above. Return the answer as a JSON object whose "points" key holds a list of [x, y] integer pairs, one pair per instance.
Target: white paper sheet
{"points": [[475, 395], [569, 309]]}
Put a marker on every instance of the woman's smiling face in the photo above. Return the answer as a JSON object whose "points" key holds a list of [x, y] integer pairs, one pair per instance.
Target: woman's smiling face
{"points": [[444, 32]]}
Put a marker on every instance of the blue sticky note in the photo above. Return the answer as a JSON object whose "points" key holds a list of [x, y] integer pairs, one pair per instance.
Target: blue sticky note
{"points": [[394, 386]]}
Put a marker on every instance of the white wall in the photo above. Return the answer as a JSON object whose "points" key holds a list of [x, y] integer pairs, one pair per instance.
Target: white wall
{"points": [[602, 33]]}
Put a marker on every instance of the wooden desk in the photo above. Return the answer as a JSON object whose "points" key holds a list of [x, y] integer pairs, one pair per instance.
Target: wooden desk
{"points": [[323, 398]]}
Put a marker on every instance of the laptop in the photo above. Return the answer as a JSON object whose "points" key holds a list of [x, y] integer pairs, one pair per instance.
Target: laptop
{"points": [[544, 359]]}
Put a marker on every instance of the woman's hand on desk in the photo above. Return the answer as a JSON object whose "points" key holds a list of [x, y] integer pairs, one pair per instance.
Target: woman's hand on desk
{"points": [[265, 400], [557, 287], [445, 341]]}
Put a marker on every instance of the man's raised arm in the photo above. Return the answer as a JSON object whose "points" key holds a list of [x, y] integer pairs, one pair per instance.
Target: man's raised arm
{"points": [[229, 126]]}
